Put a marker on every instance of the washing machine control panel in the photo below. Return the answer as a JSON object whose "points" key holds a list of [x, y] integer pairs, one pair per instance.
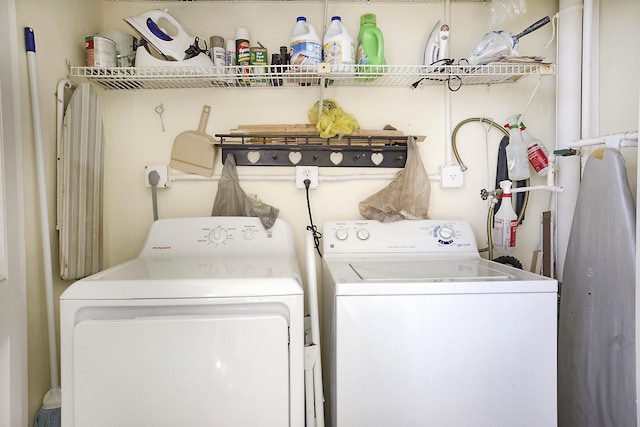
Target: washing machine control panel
{"points": [[409, 236]]}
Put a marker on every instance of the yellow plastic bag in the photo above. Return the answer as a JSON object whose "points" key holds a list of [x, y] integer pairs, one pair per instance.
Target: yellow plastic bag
{"points": [[333, 120]]}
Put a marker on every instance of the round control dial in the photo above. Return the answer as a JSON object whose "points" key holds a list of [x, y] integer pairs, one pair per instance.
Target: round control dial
{"points": [[362, 234], [218, 235], [446, 232], [342, 234]]}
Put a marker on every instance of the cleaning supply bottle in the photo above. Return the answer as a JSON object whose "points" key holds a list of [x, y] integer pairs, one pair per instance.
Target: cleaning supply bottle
{"points": [[517, 159], [370, 50], [243, 52], [338, 46], [505, 221], [306, 47], [536, 152]]}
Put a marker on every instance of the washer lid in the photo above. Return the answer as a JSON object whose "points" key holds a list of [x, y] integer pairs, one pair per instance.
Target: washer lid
{"points": [[426, 276], [177, 277]]}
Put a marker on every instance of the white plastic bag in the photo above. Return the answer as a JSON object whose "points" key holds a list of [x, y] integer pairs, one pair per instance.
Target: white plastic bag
{"points": [[506, 10]]}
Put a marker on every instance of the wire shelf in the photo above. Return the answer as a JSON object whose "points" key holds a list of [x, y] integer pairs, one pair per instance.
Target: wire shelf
{"points": [[410, 76], [308, 1]]}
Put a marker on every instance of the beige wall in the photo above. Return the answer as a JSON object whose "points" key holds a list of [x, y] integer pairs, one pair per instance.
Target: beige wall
{"points": [[134, 137]]}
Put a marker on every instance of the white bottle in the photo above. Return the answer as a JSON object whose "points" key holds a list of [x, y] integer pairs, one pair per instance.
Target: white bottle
{"points": [[306, 47], [517, 159], [230, 59], [536, 152], [505, 221], [338, 46]]}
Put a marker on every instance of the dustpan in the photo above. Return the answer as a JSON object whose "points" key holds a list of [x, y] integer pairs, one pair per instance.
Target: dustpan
{"points": [[193, 151]]}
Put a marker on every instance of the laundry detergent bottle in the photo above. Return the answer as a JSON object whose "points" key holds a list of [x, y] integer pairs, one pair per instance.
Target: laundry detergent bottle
{"points": [[505, 221], [338, 46], [306, 47], [517, 159], [370, 50]]}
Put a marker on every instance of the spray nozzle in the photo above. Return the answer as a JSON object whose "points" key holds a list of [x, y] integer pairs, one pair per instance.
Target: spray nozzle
{"points": [[506, 187], [513, 122]]}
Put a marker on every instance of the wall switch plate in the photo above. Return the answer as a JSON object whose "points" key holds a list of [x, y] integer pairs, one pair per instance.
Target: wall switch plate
{"points": [[451, 176], [163, 171], [307, 172]]}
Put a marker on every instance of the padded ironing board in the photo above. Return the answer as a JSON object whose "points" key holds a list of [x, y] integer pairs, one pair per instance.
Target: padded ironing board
{"points": [[596, 337], [80, 178]]}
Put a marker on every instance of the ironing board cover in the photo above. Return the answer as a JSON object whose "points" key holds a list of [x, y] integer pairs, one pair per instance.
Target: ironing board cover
{"points": [[596, 337], [80, 166]]}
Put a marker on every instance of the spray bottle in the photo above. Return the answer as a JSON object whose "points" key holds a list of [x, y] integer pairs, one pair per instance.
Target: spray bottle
{"points": [[536, 152], [505, 221], [517, 159]]}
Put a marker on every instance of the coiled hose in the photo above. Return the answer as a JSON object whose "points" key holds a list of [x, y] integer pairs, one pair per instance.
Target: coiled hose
{"points": [[463, 168]]}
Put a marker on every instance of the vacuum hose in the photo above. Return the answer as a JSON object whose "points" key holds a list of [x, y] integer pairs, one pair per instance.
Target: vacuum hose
{"points": [[463, 168]]}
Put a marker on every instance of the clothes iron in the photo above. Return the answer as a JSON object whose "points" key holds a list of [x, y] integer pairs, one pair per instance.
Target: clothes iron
{"points": [[497, 45], [144, 59], [155, 26], [437, 48]]}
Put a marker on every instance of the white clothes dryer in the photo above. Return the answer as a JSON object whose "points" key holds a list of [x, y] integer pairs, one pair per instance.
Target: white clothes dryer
{"points": [[204, 327], [419, 330]]}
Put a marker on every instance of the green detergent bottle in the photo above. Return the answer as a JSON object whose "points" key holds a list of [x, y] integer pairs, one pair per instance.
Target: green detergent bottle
{"points": [[370, 49]]}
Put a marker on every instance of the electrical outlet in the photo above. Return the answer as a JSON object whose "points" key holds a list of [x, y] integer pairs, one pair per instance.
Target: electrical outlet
{"points": [[451, 176], [163, 171], [307, 172]]}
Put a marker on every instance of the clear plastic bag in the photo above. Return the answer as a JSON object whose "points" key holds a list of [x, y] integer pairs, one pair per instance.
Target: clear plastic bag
{"points": [[231, 200], [406, 197], [506, 10]]}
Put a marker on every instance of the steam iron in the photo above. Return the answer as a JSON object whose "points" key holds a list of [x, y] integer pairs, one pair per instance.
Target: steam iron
{"points": [[437, 48], [144, 59], [155, 26], [497, 45]]}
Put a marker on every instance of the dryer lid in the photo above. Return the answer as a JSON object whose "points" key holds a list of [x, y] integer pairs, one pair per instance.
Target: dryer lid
{"points": [[165, 277]]}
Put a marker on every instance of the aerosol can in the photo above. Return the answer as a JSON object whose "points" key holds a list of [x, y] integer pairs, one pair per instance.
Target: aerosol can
{"points": [[505, 221]]}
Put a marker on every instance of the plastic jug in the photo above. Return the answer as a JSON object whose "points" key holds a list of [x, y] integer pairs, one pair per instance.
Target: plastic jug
{"points": [[370, 47], [338, 46], [306, 47]]}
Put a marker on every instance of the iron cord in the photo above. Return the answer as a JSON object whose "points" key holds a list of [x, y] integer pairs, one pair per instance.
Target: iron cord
{"points": [[463, 168]]}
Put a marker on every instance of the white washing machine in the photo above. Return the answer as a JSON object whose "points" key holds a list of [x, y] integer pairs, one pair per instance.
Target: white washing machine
{"points": [[419, 330], [204, 328]]}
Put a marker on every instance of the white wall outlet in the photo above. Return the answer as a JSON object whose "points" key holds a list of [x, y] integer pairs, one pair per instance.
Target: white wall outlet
{"points": [[163, 171], [451, 176], [307, 172]]}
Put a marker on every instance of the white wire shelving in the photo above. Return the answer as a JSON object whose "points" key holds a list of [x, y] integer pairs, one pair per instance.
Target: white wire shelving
{"points": [[410, 76]]}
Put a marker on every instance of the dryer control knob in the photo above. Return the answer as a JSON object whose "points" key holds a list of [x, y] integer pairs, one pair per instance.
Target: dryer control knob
{"points": [[342, 234], [363, 234], [248, 234], [218, 235]]}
